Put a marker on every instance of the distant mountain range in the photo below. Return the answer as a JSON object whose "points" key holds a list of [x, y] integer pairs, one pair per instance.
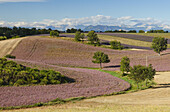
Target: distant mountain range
{"points": [[126, 28], [106, 27]]}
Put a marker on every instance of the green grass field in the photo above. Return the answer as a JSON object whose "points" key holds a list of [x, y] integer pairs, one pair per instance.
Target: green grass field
{"points": [[165, 35]]}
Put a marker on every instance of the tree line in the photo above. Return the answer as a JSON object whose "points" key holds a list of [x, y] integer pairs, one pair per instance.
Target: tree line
{"points": [[15, 32]]}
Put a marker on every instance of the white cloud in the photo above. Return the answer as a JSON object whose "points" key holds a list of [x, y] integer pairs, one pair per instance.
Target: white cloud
{"points": [[3, 1], [128, 21]]}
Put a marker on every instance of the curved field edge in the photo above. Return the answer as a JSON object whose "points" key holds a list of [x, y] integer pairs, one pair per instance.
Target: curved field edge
{"points": [[61, 101], [75, 99], [131, 102], [7, 46]]}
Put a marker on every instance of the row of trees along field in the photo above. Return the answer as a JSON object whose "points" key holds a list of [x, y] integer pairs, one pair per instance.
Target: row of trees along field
{"points": [[15, 32], [12, 73], [138, 73]]}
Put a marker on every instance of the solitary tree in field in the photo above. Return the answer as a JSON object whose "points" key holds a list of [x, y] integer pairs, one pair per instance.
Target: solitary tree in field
{"points": [[141, 73], [79, 36], [93, 38], [125, 64], [136, 73], [149, 73], [159, 44], [100, 58], [116, 45], [54, 34]]}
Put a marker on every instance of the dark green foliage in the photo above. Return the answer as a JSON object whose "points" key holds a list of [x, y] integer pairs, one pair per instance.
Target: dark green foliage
{"points": [[157, 31], [93, 38], [141, 73], [54, 33], [12, 73], [72, 30], [125, 64], [116, 31], [159, 44], [141, 31], [136, 73], [10, 56], [132, 31], [3, 37], [16, 32], [100, 58], [116, 45], [79, 36]]}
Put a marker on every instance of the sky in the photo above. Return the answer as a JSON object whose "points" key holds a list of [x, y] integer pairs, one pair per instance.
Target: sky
{"points": [[71, 12]]}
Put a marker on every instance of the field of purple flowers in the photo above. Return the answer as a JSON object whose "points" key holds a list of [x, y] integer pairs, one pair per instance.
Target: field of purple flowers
{"points": [[88, 83]]}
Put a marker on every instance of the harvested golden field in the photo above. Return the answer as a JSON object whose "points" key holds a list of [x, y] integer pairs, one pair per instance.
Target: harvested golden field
{"points": [[156, 99], [7, 46]]}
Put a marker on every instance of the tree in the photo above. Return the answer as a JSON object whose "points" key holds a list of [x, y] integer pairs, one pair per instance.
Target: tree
{"points": [[149, 73], [79, 36], [54, 34], [125, 65], [116, 45], [93, 38], [159, 44], [100, 58], [136, 73], [141, 31]]}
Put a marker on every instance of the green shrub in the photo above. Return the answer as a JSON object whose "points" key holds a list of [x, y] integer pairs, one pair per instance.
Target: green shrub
{"points": [[1, 82], [3, 37], [19, 82], [116, 45], [10, 56], [12, 73]]}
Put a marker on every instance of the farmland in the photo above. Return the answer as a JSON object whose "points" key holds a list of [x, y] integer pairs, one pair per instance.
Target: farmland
{"points": [[135, 40], [151, 100], [165, 35], [72, 59]]}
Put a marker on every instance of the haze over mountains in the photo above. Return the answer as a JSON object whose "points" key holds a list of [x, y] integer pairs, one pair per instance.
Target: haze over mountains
{"points": [[97, 23]]}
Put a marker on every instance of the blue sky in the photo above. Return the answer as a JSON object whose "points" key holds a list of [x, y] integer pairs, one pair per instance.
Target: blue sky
{"points": [[59, 9], [40, 10]]}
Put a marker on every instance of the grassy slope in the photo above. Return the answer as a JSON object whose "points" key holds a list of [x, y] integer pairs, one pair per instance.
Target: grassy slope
{"points": [[7, 46], [165, 35], [151, 100], [132, 41], [127, 41]]}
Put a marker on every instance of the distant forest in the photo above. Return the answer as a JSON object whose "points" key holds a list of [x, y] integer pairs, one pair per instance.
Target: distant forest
{"points": [[21, 32]]}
